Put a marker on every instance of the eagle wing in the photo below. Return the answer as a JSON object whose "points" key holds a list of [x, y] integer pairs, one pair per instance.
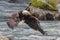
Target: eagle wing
{"points": [[34, 23]]}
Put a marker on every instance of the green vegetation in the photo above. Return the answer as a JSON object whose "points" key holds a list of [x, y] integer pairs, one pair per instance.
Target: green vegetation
{"points": [[49, 5], [39, 4], [52, 2]]}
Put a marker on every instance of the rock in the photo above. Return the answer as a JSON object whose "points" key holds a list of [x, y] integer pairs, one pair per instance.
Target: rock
{"points": [[3, 37], [44, 4], [49, 16], [41, 13], [57, 16]]}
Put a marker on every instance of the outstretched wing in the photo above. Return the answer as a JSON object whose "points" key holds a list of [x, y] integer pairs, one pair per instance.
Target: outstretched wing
{"points": [[34, 23], [13, 20]]}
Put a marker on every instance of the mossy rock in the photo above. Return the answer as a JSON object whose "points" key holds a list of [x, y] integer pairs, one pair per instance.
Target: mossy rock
{"points": [[52, 2], [43, 5], [50, 7], [36, 3]]}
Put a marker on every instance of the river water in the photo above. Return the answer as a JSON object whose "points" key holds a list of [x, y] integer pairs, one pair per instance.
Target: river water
{"points": [[24, 32]]}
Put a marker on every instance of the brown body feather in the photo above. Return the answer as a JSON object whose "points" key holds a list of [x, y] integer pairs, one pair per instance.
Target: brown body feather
{"points": [[30, 20]]}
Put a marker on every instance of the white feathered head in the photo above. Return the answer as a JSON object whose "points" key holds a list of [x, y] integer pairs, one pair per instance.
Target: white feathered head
{"points": [[25, 12]]}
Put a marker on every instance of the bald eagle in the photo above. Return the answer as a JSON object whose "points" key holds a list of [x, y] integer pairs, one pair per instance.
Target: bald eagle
{"points": [[30, 20]]}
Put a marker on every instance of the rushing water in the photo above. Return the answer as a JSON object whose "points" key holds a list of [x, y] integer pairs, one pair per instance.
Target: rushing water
{"points": [[24, 32]]}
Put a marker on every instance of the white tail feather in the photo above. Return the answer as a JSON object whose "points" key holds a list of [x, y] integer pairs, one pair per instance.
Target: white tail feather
{"points": [[21, 22]]}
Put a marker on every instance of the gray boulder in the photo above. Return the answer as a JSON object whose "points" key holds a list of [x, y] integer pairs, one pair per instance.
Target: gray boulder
{"points": [[44, 14]]}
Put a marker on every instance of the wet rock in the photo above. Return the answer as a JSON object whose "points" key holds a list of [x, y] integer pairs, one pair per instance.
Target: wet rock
{"points": [[43, 14], [4, 37], [49, 16], [57, 16]]}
